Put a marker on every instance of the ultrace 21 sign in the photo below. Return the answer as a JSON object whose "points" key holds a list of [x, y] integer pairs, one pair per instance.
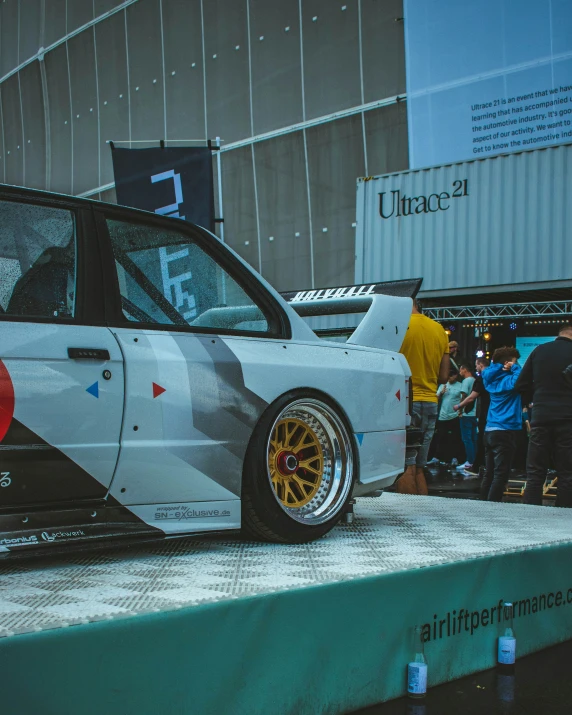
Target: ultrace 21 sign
{"points": [[398, 205]]}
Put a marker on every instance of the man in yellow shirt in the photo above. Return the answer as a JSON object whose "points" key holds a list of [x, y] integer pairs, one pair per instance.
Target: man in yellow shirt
{"points": [[426, 348]]}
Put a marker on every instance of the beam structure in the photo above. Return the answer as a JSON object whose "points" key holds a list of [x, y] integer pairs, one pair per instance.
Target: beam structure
{"points": [[503, 310]]}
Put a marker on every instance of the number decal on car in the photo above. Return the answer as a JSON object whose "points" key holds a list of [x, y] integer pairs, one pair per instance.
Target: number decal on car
{"points": [[5, 480]]}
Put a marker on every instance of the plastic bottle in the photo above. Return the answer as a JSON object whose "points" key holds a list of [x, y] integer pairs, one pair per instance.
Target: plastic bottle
{"points": [[506, 655], [417, 668]]}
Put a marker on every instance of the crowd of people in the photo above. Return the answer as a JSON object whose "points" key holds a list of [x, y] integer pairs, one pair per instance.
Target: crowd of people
{"points": [[476, 412]]}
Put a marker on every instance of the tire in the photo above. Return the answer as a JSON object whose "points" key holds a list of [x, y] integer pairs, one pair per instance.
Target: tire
{"points": [[299, 470]]}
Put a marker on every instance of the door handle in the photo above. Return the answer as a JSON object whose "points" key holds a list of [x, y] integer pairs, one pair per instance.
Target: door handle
{"points": [[88, 354]]}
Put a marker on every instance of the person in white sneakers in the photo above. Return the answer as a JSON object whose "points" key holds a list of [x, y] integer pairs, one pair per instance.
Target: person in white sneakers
{"points": [[468, 417], [480, 394]]}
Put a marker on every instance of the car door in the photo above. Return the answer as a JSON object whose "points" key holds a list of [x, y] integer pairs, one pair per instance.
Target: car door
{"points": [[61, 373], [188, 413]]}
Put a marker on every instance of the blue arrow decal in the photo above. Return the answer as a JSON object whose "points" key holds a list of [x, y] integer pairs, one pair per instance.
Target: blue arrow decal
{"points": [[93, 389], [359, 438]]}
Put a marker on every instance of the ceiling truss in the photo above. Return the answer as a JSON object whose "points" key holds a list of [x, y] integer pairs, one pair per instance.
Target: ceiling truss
{"points": [[505, 310]]}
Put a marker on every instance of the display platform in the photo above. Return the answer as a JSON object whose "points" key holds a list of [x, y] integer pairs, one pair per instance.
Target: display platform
{"points": [[232, 627]]}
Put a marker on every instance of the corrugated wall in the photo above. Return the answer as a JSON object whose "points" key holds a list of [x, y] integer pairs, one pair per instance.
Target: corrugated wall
{"points": [[513, 227], [26, 26], [238, 69]]}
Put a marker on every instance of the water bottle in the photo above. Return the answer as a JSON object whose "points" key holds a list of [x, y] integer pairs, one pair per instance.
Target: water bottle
{"points": [[506, 655], [417, 668]]}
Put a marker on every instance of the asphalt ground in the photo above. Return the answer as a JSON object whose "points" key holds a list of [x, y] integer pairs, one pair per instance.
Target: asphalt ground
{"points": [[541, 685], [445, 481]]}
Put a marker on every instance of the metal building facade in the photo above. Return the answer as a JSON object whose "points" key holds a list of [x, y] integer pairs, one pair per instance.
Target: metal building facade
{"points": [[484, 226], [305, 94]]}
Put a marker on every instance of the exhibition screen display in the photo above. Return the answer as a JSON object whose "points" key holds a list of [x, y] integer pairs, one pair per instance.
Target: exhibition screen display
{"points": [[526, 345], [486, 77]]}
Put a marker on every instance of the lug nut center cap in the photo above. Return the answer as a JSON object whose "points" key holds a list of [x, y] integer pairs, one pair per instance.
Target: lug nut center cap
{"points": [[287, 463]]}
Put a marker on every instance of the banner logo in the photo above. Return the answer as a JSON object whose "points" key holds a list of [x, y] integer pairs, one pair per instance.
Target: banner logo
{"points": [[171, 209]]}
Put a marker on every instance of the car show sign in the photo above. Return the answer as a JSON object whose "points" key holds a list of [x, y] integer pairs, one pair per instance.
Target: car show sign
{"points": [[472, 226], [170, 181]]}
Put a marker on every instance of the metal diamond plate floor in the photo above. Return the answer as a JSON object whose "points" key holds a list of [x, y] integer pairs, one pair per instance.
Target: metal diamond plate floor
{"points": [[390, 533]]}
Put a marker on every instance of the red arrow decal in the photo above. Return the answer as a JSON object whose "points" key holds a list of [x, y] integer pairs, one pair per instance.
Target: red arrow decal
{"points": [[6, 400], [398, 395], [158, 390]]}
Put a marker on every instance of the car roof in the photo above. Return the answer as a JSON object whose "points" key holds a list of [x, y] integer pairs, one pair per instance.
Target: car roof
{"points": [[22, 191]]}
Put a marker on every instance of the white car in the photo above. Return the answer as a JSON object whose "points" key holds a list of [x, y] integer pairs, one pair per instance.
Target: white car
{"points": [[153, 384]]}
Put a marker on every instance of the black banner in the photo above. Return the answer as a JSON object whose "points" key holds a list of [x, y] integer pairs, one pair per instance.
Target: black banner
{"points": [[171, 181]]}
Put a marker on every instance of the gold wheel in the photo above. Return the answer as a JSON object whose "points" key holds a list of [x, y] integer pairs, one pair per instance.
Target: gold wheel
{"points": [[295, 462], [309, 461]]}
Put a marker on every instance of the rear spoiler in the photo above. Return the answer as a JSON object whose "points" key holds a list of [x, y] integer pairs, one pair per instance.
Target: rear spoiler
{"points": [[387, 306], [348, 299]]}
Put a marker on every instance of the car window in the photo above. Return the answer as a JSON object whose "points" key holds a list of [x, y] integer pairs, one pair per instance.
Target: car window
{"points": [[37, 261], [166, 278]]}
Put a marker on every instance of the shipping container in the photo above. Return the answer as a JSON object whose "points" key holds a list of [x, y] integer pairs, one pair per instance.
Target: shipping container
{"points": [[483, 226]]}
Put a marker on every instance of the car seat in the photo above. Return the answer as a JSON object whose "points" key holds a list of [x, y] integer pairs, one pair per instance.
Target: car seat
{"points": [[42, 290]]}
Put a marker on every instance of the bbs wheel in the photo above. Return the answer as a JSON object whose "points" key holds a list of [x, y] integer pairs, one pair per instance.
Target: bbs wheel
{"points": [[298, 471]]}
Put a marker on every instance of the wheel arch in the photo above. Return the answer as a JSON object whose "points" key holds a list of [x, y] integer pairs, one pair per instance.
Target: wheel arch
{"points": [[263, 514], [298, 392]]}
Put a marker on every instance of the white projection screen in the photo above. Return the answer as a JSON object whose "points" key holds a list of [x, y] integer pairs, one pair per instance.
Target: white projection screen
{"points": [[486, 77]]}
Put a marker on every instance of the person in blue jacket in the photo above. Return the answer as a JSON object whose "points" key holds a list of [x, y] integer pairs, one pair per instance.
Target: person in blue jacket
{"points": [[504, 421]]}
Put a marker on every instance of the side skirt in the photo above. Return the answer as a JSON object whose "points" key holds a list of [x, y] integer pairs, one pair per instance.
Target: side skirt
{"points": [[84, 527]]}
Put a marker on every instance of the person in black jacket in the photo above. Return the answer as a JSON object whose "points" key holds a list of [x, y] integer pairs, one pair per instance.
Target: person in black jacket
{"points": [[542, 382]]}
